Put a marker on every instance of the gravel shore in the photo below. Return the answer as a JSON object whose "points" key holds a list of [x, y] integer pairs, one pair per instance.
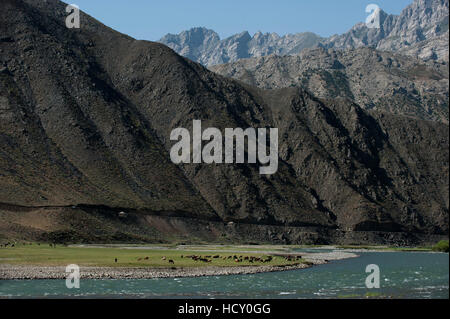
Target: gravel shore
{"points": [[8, 271]]}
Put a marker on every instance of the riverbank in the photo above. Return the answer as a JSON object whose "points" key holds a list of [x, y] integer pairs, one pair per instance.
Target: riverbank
{"points": [[10, 271]]}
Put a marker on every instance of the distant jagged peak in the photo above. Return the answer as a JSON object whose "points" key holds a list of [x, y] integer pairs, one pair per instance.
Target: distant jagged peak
{"points": [[200, 31], [421, 30], [205, 46]]}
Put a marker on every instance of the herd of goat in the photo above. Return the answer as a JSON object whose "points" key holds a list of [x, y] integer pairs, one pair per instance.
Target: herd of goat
{"points": [[237, 259]]}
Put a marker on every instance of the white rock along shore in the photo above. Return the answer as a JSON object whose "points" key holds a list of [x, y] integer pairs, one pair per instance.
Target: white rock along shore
{"points": [[9, 271]]}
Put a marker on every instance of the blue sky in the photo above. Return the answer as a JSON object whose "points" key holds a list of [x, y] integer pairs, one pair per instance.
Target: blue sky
{"points": [[152, 19]]}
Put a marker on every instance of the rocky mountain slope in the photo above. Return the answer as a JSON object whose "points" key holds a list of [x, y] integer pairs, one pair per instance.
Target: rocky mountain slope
{"points": [[375, 80], [421, 30], [85, 120]]}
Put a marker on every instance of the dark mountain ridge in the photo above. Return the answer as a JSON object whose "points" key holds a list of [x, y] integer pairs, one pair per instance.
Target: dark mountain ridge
{"points": [[85, 120]]}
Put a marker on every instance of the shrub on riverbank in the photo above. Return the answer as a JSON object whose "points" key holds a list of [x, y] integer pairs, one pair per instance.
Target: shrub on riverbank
{"points": [[441, 246]]}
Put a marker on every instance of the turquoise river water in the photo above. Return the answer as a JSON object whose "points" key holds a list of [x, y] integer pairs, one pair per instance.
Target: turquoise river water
{"points": [[403, 275]]}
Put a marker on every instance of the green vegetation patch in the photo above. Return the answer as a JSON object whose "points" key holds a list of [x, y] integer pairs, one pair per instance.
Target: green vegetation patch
{"points": [[441, 246]]}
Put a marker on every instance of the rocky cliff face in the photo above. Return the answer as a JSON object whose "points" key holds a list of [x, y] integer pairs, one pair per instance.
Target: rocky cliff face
{"points": [[85, 120], [421, 30], [376, 80]]}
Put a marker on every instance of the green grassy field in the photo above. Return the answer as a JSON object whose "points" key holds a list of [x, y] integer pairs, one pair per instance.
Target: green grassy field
{"points": [[44, 255]]}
